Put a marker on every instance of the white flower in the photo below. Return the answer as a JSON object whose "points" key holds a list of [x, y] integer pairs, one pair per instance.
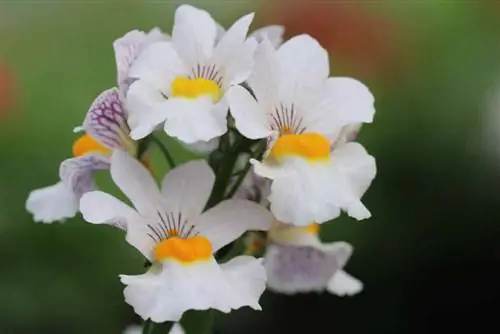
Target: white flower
{"points": [[128, 48], [296, 261], [106, 129], [273, 33], [136, 329], [182, 82], [303, 112], [170, 230]]}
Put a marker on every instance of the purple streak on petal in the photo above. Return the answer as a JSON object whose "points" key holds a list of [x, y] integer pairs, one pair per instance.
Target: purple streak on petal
{"points": [[106, 120], [76, 173]]}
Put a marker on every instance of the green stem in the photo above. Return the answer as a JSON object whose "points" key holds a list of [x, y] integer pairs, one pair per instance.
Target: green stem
{"points": [[259, 151], [151, 327], [147, 327], [164, 150]]}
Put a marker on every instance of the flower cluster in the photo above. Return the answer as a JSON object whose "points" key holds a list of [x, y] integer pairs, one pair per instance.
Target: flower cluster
{"points": [[278, 137]]}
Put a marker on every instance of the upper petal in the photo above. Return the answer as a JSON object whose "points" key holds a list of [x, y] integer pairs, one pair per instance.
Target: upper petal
{"points": [[273, 33], [52, 203], [345, 101], [228, 220], [187, 188], [193, 34], [250, 119], [136, 182], [106, 120], [303, 63]]}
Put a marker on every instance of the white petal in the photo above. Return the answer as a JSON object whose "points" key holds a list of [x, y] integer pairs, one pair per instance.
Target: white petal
{"points": [[126, 51], [302, 193], [202, 147], [136, 182], [177, 329], [159, 63], [345, 101], [249, 118], [100, 208], [303, 62], [145, 108], [168, 290], [265, 77], [357, 170], [341, 250], [106, 120], [274, 33], [343, 284], [53, 203], [228, 220], [193, 34], [187, 188], [292, 269], [76, 173], [133, 329], [191, 121], [233, 54], [247, 277]]}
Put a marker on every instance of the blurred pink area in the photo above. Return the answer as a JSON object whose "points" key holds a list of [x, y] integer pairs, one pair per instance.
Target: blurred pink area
{"points": [[367, 41]]}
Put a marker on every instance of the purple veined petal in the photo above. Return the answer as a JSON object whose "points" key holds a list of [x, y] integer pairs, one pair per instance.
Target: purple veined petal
{"points": [[106, 121], [76, 173]]}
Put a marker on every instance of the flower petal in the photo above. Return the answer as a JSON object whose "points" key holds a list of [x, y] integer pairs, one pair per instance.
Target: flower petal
{"points": [[100, 208], [273, 32], [191, 121], [345, 101], [228, 220], [187, 188], [53, 203], [76, 173], [343, 284], [304, 64], [159, 63], [169, 289], [136, 183], [249, 118], [193, 34], [128, 48], [202, 147], [292, 269], [233, 55], [106, 120], [357, 170], [145, 106]]}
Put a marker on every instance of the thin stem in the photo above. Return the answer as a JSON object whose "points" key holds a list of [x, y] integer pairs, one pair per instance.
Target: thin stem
{"points": [[164, 150], [147, 327], [259, 151]]}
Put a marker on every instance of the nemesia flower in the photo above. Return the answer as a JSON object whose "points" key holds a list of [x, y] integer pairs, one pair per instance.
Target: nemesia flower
{"points": [[297, 261], [136, 329], [128, 48], [171, 231], [105, 130], [303, 112], [183, 82]]}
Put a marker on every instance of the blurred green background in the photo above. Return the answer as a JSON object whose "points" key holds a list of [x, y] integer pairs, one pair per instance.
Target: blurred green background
{"points": [[429, 257]]}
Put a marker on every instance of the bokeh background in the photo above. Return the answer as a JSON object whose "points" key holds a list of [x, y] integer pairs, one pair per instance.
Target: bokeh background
{"points": [[429, 257]]}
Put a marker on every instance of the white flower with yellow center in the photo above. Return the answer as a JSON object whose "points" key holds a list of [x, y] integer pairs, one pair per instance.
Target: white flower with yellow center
{"points": [[297, 261], [304, 112], [171, 231], [105, 129], [183, 82]]}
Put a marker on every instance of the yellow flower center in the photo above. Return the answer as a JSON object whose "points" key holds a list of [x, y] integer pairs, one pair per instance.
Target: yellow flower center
{"points": [[86, 144], [310, 229], [183, 250], [193, 88], [310, 146]]}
